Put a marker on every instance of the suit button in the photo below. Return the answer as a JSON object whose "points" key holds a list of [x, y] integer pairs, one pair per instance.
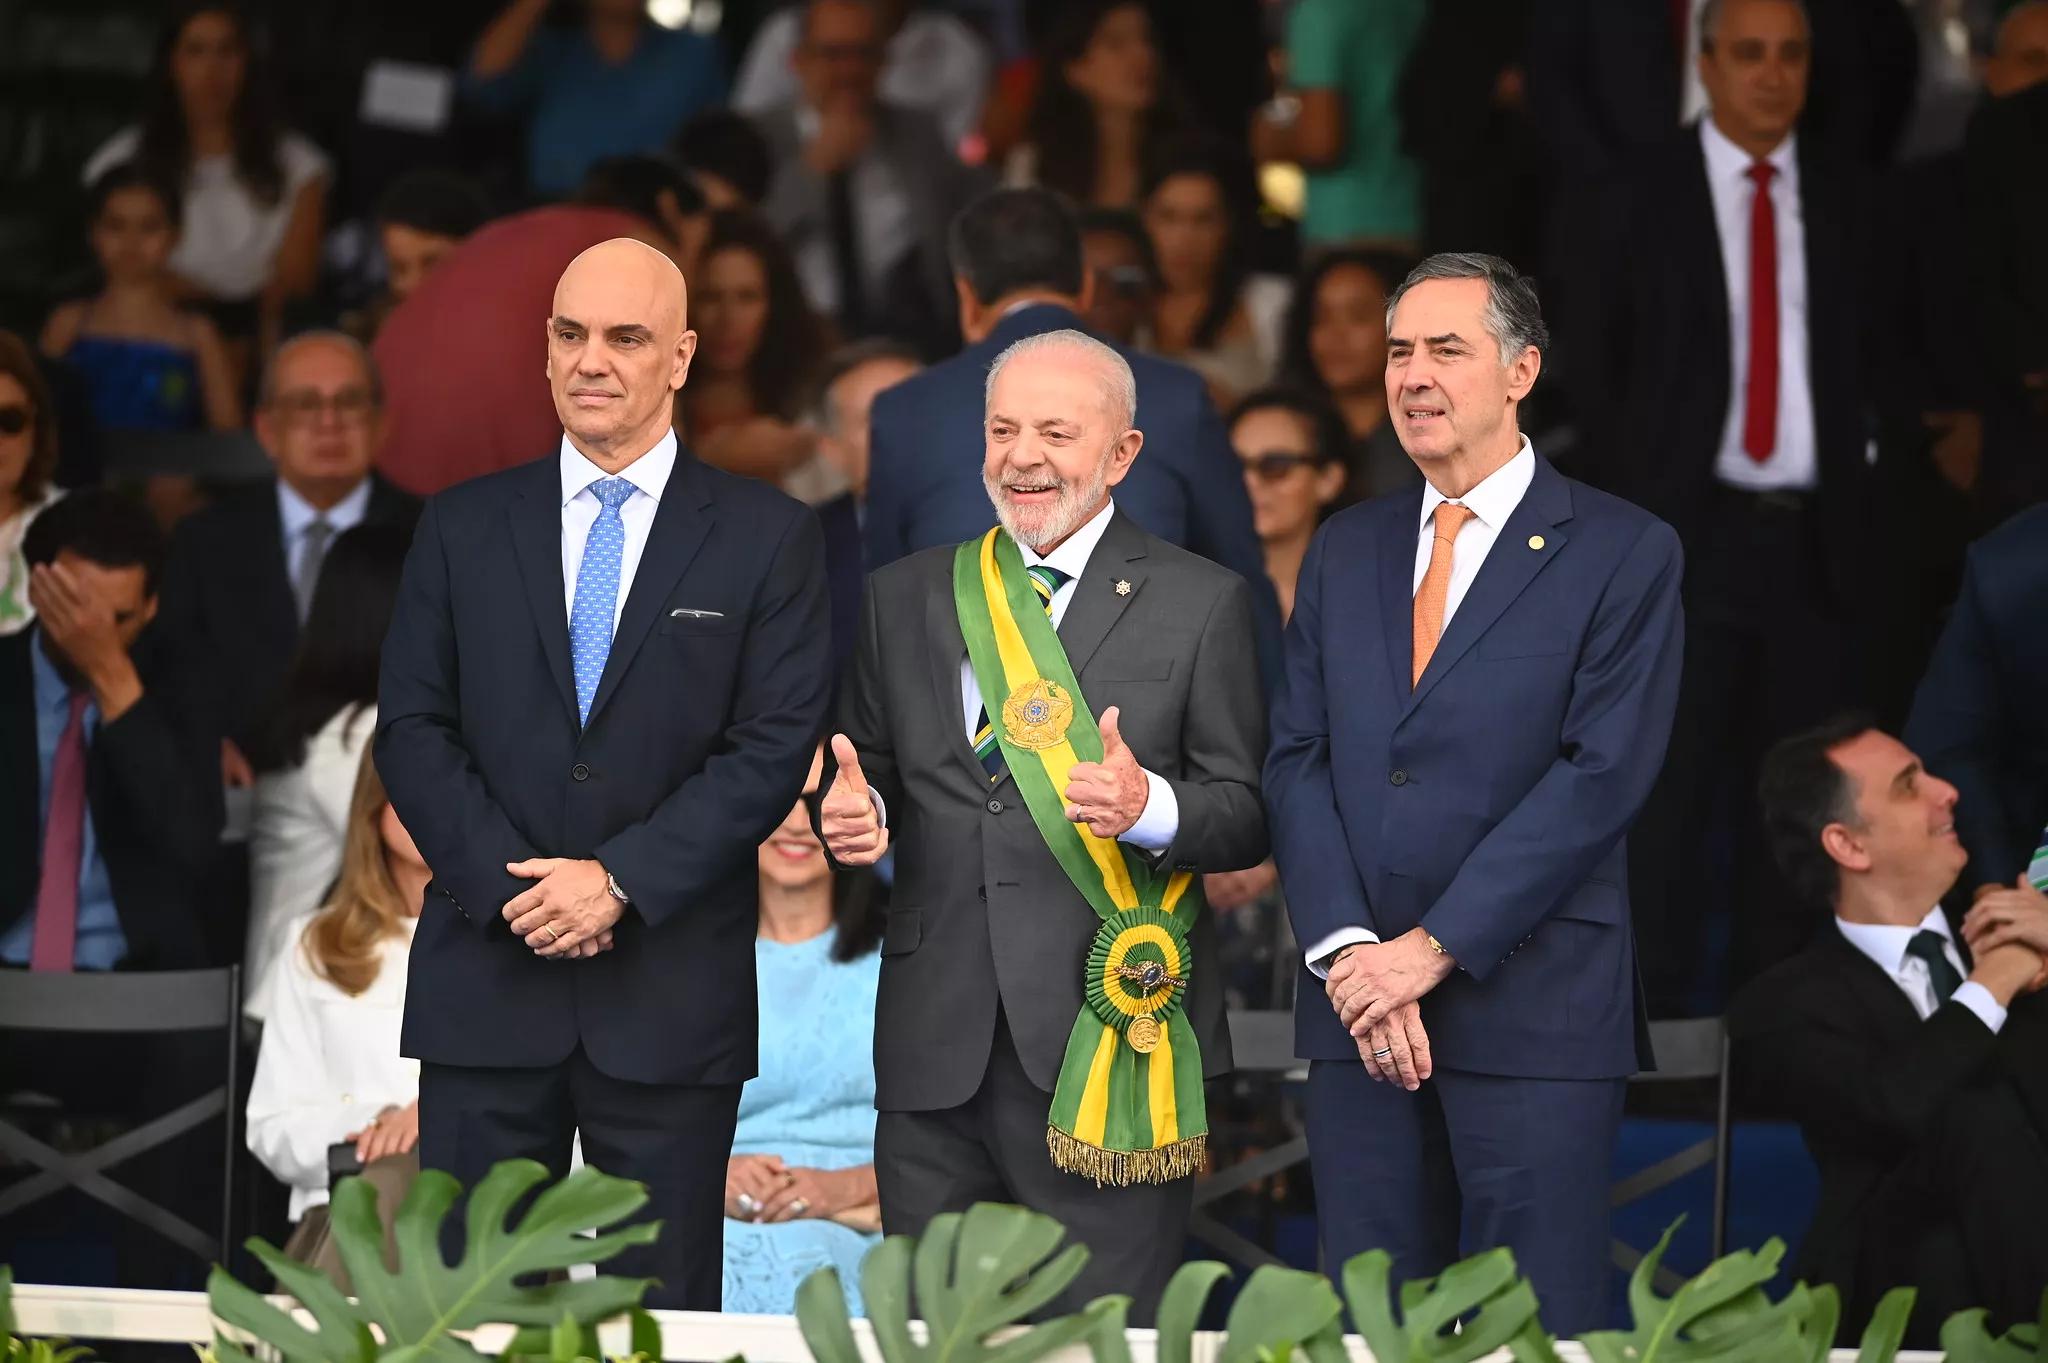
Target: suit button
{"points": [[580, 772], [1398, 777], [981, 893], [995, 806]]}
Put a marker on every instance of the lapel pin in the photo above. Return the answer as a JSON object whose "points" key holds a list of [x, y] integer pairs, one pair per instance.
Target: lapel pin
{"points": [[1123, 588], [1535, 541]]}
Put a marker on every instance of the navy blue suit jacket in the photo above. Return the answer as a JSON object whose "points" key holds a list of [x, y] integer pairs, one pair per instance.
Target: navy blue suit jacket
{"points": [[1488, 803], [1978, 719], [699, 739], [925, 454]]}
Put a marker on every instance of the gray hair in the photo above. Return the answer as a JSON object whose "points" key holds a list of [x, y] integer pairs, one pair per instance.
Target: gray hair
{"points": [[1513, 316], [1119, 385], [844, 361], [1710, 20], [266, 392]]}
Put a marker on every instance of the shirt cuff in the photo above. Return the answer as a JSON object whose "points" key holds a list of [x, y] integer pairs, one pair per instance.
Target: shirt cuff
{"points": [[1158, 822], [1978, 1000], [1318, 956], [881, 808]]}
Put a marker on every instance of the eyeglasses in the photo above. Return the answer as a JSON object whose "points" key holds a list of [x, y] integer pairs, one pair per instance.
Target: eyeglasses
{"points": [[304, 407], [1271, 468], [1129, 280], [15, 418]]}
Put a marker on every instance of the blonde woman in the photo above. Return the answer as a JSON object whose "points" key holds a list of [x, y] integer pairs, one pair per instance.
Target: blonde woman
{"points": [[329, 1070]]}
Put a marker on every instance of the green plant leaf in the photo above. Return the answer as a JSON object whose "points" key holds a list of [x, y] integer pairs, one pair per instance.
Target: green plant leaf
{"points": [[1180, 1307], [1109, 1342], [1966, 1338], [1722, 1314], [1823, 1318], [988, 1268], [1276, 1310], [1486, 1291], [885, 1293], [7, 1305], [821, 1316], [643, 1333], [1887, 1328], [1372, 1314]]}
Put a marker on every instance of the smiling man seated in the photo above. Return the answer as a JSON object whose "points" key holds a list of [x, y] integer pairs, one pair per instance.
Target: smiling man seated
{"points": [[1912, 1052]]}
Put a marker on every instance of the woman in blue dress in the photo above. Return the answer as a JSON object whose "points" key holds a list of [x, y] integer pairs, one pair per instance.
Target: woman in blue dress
{"points": [[800, 1188]]}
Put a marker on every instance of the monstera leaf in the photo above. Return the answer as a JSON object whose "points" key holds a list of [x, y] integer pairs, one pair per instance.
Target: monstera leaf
{"points": [[1721, 1316], [1967, 1339], [972, 1275], [1495, 1304], [418, 1308], [1279, 1310], [1887, 1328]]}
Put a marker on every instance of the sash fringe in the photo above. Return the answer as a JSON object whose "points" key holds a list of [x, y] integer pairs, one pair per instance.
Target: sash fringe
{"points": [[1122, 1168]]}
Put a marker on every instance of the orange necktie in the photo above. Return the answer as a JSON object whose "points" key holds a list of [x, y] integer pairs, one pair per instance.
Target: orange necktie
{"points": [[1436, 583]]}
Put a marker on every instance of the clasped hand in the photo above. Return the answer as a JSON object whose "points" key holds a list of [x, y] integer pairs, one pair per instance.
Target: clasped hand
{"points": [[1376, 990], [569, 912], [2005, 915]]}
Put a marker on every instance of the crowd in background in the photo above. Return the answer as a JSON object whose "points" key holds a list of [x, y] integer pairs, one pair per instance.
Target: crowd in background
{"points": [[348, 249]]}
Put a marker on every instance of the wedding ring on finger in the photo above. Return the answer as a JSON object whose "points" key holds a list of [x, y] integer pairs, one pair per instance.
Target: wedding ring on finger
{"points": [[748, 1204], [1383, 1053], [549, 929], [799, 1207]]}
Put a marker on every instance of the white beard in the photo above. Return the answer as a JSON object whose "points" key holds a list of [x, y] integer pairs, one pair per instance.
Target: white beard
{"points": [[1039, 526]]}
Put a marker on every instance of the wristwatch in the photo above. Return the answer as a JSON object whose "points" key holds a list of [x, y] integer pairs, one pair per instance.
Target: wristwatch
{"points": [[611, 887]]}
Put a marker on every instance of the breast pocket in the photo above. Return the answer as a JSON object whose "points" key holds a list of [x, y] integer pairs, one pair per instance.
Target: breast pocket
{"points": [[1501, 644], [687, 622]]}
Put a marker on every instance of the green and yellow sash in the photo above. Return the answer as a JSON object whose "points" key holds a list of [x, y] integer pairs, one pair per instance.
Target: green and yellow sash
{"points": [[1128, 1107]]}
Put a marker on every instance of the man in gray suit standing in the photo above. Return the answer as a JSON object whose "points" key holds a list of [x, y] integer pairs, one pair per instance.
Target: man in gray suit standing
{"points": [[1059, 727]]}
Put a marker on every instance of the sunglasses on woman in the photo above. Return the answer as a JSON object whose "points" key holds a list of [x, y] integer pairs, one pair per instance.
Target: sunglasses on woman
{"points": [[1271, 468], [14, 419]]}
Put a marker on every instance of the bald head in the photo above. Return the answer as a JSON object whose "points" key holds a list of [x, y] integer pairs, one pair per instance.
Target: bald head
{"points": [[619, 348], [2019, 58]]}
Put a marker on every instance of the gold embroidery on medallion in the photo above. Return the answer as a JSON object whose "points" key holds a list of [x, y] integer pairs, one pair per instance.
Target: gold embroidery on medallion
{"points": [[1036, 715]]}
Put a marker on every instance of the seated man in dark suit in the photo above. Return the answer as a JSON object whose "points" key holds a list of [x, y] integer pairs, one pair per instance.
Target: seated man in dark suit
{"points": [[1977, 718], [113, 806], [241, 572], [853, 377], [1019, 270], [1910, 1054]]}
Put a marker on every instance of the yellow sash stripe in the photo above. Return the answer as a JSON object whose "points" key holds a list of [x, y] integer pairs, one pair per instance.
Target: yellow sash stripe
{"points": [[1093, 1118]]}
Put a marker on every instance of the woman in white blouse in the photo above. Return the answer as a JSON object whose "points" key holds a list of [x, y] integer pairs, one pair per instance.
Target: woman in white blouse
{"points": [[329, 1069], [328, 712]]}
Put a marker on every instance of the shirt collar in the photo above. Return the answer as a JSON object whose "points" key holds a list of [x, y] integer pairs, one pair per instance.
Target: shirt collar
{"points": [[1885, 943], [1729, 164], [297, 513], [1074, 552], [1497, 494], [649, 473]]}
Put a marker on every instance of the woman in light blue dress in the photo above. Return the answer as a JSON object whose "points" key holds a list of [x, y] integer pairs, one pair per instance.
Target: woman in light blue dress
{"points": [[800, 1188]]}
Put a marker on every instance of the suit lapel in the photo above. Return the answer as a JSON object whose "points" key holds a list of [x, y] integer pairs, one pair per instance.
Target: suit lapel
{"points": [[1111, 581], [536, 524], [1511, 565], [681, 521], [1877, 994], [1397, 547], [945, 647], [20, 767], [274, 589]]}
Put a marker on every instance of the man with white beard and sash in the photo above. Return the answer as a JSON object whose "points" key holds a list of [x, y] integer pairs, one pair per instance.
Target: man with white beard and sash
{"points": [[1058, 727]]}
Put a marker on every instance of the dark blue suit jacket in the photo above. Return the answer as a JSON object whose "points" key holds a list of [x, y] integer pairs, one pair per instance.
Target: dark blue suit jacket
{"points": [[699, 740], [1489, 803], [1979, 720], [925, 455]]}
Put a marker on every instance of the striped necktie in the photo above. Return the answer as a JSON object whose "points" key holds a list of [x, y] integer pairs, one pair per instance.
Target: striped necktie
{"points": [[1045, 581]]}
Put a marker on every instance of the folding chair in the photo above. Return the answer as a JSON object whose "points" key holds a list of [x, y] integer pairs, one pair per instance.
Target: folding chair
{"points": [[138, 1003], [1263, 1044], [1687, 1049]]}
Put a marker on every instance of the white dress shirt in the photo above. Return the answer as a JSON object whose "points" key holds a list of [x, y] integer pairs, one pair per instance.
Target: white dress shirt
{"points": [[1793, 463], [649, 475], [295, 841], [1492, 500], [329, 1063], [1886, 945], [296, 515]]}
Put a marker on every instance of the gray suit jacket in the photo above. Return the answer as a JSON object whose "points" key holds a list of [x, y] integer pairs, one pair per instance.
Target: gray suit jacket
{"points": [[981, 913]]}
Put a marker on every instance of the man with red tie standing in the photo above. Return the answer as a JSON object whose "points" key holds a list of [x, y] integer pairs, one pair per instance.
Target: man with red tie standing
{"points": [[1724, 390]]}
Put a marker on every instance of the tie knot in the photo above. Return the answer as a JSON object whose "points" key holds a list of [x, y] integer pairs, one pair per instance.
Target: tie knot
{"points": [[1761, 173], [1052, 578], [612, 491], [1930, 946], [1451, 518]]}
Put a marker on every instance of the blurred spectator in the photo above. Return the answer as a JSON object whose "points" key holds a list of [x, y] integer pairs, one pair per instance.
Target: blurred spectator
{"points": [[616, 84], [658, 190], [255, 193], [1339, 118], [1124, 273], [1910, 1059], [1337, 349], [99, 871], [1211, 313], [1464, 121], [242, 572], [758, 346], [863, 188], [1017, 254], [1291, 444], [800, 1186], [1105, 108], [329, 1069], [852, 379], [931, 62], [326, 714], [464, 361], [149, 363], [1978, 720], [28, 461], [723, 152], [421, 216], [1728, 395]]}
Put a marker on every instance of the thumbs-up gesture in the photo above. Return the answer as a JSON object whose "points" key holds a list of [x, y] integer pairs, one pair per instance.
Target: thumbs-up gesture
{"points": [[1108, 795], [853, 831]]}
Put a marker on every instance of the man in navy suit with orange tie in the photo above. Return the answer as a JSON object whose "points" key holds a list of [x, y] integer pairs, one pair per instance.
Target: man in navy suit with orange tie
{"points": [[1479, 683]]}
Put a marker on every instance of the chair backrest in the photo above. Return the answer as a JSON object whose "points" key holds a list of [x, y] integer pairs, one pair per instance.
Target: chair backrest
{"points": [[1686, 1048], [118, 1001], [1262, 1041]]}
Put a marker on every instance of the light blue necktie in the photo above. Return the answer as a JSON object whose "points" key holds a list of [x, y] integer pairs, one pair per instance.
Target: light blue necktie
{"points": [[597, 591]]}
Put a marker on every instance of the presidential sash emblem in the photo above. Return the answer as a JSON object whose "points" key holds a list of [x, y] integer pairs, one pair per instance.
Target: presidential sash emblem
{"points": [[1037, 714]]}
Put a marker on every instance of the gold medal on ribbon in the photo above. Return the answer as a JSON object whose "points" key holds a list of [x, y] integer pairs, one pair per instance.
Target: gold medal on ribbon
{"points": [[1037, 714], [1143, 1034]]}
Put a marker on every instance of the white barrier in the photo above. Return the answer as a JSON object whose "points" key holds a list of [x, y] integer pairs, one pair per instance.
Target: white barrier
{"points": [[115, 1313]]}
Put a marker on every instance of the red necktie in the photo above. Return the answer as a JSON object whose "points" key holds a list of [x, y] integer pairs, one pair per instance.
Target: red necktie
{"points": [[56, 931], [1760, 403]]}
